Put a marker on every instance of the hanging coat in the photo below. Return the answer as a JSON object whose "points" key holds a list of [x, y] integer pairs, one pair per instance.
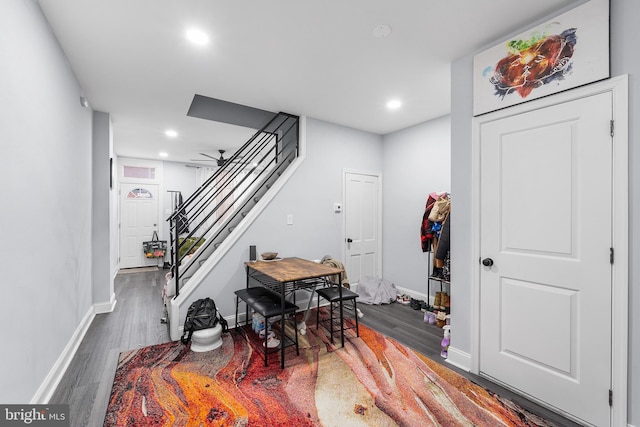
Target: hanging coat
{"points": [[426, 233], [336, 264], [444, 244]]}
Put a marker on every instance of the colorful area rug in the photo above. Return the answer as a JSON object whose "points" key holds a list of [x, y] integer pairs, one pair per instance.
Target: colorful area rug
{"points": [[372, 381]]}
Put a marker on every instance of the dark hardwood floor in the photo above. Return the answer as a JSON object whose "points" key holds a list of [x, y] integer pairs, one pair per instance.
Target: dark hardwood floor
{"points": [[135, 322]]}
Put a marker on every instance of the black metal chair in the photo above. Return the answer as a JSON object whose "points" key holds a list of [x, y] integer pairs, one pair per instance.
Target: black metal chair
{"points": [[332, 295], [268, 304]]}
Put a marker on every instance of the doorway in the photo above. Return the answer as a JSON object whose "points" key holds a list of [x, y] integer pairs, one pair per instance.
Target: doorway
{"points": [[138, 222], [362, 213], [548, 284]]}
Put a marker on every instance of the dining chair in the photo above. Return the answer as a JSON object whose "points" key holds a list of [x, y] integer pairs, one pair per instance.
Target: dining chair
{"points": [[332, 295]]}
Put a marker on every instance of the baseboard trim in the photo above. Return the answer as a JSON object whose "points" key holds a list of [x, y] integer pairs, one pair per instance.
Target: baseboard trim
{"points": [[414, 294], [459, 359], [50, 383], [106, 307]]}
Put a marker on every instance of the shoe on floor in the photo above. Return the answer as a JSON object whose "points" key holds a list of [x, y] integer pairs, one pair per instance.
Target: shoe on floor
{"points": [[272, 342], [270, 335]]}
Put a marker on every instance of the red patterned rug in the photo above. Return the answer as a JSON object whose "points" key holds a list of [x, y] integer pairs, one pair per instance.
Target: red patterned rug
{"points": [[372, 381]]}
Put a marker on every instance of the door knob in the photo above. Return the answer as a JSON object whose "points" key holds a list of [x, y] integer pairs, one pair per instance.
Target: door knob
{"points": [[487, 262], [349, 240]]}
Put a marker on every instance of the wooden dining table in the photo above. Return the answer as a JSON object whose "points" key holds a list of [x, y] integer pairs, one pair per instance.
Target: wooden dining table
{"points": [[286, 275]]}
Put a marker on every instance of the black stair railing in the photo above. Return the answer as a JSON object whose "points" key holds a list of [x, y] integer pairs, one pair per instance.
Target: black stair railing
{"points": [[225, 198]]}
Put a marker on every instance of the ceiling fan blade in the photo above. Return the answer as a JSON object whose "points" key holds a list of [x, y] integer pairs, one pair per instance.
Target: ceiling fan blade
{"points": [[206, 155]]}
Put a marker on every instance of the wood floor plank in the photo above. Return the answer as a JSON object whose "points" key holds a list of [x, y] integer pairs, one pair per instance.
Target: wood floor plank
{"points": [[135, 322]]}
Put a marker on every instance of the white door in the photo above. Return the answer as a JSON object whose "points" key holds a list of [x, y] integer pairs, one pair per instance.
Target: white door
{"points": [[545, 223], [362, 225], [138, 221]]}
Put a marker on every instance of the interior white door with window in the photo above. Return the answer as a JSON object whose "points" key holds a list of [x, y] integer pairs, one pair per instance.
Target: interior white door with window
{"points": [[362, 209], [545, 245], [138, 220]]}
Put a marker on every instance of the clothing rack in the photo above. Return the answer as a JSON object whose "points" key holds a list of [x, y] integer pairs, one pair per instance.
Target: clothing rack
{"points": [[429, 235]]}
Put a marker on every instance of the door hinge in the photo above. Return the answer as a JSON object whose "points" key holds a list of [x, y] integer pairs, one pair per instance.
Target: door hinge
{"points": [[611, 255], [611, 127], [610, 397]]}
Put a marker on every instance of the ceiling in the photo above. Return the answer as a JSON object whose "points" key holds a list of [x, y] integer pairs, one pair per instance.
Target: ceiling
{"points": [[315, 58]]}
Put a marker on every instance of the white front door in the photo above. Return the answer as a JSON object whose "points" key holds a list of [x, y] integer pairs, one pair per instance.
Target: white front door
{"points": [[138, 221], [546, 228], [362, 225]]}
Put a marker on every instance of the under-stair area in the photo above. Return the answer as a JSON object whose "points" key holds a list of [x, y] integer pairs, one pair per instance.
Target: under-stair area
{"points": [[210, 215]]}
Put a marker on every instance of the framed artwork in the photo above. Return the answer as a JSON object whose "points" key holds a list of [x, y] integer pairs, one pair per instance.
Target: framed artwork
{"points": [[568, 51]]}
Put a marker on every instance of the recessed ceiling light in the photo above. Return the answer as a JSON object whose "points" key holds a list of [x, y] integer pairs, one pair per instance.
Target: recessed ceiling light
{"points": [[171, 133], [394, 104], [382, 31], [197, 37], [163, 154]]}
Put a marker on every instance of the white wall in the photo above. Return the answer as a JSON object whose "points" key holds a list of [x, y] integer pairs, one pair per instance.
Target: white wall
{"points": [[417, 161], [309, 197], [114, 216], [625, 37], [45, 216], [101, 279]]}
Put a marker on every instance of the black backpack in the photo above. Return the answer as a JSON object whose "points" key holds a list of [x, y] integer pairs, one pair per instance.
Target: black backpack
{"points": [[202, 314]]}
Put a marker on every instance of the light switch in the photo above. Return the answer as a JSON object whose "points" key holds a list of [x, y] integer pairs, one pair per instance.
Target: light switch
{"points": [[289, 219]]}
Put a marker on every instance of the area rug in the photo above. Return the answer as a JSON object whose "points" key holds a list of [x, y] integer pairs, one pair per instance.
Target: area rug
{"points": [[371, 381]]}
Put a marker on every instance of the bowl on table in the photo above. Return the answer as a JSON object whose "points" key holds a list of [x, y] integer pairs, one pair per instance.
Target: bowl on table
{"points": [[267, 256]]}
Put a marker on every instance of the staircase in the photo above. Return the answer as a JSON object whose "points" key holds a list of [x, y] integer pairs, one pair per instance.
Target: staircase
{"points": [[204, 220]]}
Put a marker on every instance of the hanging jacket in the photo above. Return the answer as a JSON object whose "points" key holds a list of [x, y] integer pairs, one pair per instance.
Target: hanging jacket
{"points": [[336, 264], [426, 232], [444, 243]]}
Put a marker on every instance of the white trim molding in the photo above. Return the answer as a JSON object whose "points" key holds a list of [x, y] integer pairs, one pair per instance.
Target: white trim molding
{"points": [[106, 307], [53, 378], [618, 86], [459, 359]]}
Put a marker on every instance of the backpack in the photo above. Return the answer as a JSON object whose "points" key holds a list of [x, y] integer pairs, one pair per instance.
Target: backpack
{"points": [[202, 314]]}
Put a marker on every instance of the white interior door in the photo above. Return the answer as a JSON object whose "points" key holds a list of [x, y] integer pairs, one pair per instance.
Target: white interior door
{"points": [[138, 221], [545, 223], [362, 225]]}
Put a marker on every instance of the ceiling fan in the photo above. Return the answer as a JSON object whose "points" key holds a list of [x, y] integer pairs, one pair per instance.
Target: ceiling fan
{"points": [[220, 161]]}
